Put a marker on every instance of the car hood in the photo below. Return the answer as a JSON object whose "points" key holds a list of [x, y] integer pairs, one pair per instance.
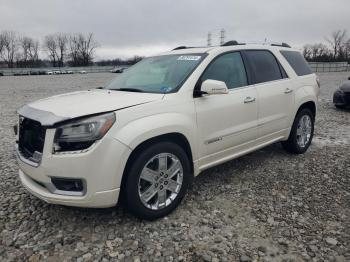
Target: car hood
{"points": [[345, 87], [52, 110]]}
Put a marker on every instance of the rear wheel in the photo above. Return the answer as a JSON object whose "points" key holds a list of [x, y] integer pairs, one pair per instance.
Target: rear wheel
{"points": [[157, 181], [302, 132]]}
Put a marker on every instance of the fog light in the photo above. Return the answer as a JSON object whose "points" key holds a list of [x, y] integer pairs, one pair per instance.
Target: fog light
{"points": [[74, 185]]}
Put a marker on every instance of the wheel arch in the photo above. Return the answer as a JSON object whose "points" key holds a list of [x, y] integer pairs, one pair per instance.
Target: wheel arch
{"points": [[175, 137], [309, 105], [289, 143]]}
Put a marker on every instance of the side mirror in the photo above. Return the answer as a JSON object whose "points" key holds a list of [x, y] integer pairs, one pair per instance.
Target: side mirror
{"points": [[214, 87]]}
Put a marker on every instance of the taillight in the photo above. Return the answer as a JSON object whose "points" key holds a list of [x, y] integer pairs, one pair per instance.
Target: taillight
{"points": [[318, 82]]}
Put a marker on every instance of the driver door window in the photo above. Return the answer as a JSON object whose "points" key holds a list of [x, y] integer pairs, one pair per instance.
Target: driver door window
{"points": [[228, 68]]}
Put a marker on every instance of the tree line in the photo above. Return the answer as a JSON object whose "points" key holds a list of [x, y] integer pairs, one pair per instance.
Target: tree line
{"points": [[337, 50], [119, 61], [79, 50], [61, 48]]}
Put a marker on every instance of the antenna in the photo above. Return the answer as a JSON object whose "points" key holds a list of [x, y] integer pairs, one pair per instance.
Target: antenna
{"points": [[222, 36], [209, 39]]}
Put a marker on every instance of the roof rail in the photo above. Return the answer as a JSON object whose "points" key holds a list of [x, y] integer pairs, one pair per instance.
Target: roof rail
{"points": [[232, 42], [180, 47], [283, 45]]}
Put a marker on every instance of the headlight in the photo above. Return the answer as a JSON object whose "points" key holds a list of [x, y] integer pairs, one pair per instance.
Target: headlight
{"points": [[82, 133]]}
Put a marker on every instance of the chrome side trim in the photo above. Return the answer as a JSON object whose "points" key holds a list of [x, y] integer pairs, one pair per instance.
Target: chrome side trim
{"points": [[220, 138], [217, 139]]}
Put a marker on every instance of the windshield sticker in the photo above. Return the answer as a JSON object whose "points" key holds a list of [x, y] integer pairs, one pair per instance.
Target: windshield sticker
{"points": [[189, 58], [165, 89]]}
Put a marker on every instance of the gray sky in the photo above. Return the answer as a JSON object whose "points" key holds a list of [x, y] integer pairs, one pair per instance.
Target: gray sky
{"points": [[145, 27]]}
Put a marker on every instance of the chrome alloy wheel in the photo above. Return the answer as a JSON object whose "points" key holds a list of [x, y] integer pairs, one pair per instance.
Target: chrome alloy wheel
{"points": [[304, 130], [160, 181]]}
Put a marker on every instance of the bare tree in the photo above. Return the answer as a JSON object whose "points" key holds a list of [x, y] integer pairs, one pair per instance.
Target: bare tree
{"points": [[25, 44], [74, 50], [61, 42], [318, 50], [307, 52], [82, 49], [1, 42], [89, 46], [337, 41], [9, 47], [50, 45], [34, 53], [346, 50]]}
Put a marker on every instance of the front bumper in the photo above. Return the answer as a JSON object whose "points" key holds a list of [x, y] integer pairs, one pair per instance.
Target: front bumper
{"points": [[99, 199], [340, 98], [101, 168]]}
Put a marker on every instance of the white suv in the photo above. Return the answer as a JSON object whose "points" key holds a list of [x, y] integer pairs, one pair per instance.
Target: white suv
{"points": [[147, 134]]}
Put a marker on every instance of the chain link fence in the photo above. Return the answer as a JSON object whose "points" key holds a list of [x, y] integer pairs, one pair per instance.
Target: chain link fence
{"points": [[330, 67]]}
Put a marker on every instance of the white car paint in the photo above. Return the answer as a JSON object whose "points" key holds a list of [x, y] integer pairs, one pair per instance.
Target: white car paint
{"points": [[215, 127], [89, 102]]}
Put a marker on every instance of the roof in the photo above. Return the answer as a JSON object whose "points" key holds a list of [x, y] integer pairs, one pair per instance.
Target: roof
{"points": [[214, 49]]}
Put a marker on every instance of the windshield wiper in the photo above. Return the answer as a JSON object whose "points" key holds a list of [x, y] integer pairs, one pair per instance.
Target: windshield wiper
{"points": [[129, 90]]}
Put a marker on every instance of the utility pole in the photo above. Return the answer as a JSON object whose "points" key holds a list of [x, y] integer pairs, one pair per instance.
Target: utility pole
{"points": [[222, 36], [209, 39]]}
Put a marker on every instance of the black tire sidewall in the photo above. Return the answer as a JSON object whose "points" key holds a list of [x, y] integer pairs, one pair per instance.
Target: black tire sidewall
{"points": [[340, 106], [133, 201], [293, 137]]}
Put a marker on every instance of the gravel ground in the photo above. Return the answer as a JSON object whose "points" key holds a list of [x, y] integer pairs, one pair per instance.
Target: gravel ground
{"points": [[266, 206]]}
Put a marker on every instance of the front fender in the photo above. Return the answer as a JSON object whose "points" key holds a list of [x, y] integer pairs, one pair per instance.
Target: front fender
{"points": [[138, 131]]}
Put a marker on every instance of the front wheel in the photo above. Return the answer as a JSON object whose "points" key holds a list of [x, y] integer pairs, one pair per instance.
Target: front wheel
{"points": [[157, 181], [302, 132]]}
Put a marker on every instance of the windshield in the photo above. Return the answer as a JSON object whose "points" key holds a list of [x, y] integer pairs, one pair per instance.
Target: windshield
{"points": [[159, 74]]}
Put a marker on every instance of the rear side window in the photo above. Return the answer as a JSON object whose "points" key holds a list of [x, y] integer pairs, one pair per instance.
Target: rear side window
{"points": [[263, 66], [228, 68], [297, 62]]}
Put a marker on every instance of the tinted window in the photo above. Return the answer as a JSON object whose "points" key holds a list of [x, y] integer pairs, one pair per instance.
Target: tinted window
{"points": [[228, 68], [264, 66], [297, 62]]}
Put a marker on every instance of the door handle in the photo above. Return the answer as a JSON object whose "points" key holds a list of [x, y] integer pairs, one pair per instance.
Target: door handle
{"points": [[288, 90], [249, 100]]}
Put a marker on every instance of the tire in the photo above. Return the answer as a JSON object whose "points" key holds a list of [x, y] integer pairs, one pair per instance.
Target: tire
{"points": [[137, 186], [293, 144], [340, 106]]}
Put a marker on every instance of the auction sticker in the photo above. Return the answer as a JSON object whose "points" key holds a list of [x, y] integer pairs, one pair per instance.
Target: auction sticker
{"points": [[189, 58]]}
